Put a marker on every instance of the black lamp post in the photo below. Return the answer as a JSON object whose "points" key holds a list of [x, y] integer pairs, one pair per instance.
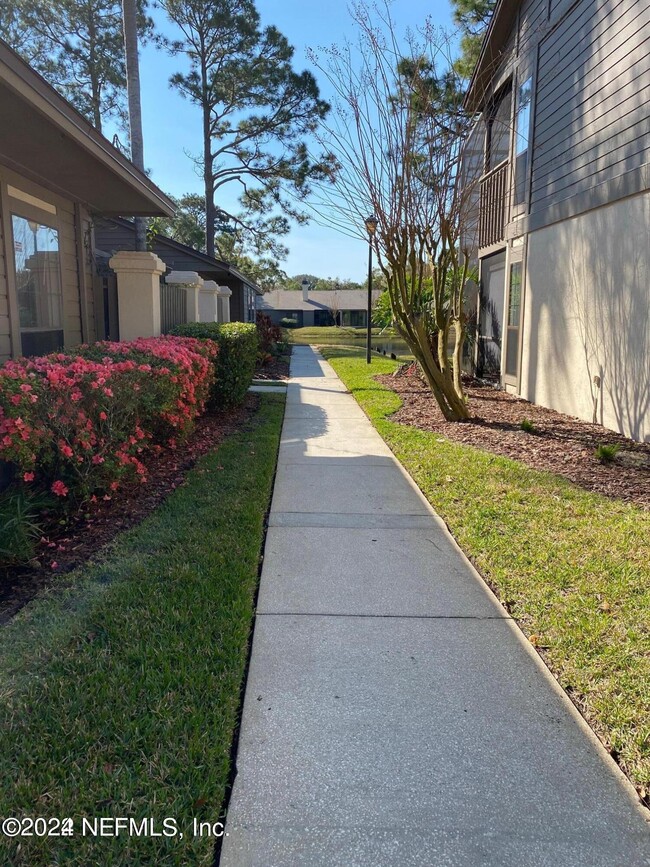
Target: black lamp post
{"points": [[371, 227]]}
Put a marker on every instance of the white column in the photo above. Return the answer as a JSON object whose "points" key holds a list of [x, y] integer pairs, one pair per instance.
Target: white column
{"points": [[138, 293], [191, 282], [209, 302], [224, 303]]}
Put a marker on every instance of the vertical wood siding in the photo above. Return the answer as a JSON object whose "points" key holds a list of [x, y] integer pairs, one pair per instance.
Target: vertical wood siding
{"points": [[592, 122]]}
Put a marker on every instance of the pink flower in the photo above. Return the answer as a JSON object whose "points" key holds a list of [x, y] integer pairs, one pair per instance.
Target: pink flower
{"points": [[54, 565], [59, 489], [103, 416], [28, 477]]}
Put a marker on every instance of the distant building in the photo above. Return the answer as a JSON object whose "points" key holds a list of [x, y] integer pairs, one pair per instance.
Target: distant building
{"points": [[332, 307]]}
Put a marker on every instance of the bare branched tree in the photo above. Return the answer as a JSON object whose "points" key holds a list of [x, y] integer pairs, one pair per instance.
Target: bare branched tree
{"points": [[397, 131]]}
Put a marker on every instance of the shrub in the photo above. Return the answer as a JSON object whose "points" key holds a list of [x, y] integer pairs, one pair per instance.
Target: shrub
{"points": [[272, 338], [289, 322], [74, 424], [527, 425], [606, 453], [235, 362]]}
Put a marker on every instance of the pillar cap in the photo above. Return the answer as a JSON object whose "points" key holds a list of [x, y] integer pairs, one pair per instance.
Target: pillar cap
{"points": [[224, 291], [138, 262], [185, 278]]}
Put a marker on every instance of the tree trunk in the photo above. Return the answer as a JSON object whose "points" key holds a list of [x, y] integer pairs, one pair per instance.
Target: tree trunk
{"points": [[208, 179], [459, 330], [130, 22]]}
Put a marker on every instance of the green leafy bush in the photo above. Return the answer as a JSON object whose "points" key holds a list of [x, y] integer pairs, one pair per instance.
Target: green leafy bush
{"points": [[235, 362], [289, 322], [527, 425]]}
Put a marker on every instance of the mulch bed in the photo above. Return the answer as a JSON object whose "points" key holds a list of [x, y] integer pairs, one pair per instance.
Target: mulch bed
{"points": [[61, 552], [277, 368], [559, 444]]}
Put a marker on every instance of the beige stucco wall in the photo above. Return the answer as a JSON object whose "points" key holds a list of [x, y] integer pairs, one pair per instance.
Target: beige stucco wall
{"points": [[587, 313]]}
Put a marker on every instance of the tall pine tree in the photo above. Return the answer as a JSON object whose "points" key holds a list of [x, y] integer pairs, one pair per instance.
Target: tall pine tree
{"points": [[257, 113]]}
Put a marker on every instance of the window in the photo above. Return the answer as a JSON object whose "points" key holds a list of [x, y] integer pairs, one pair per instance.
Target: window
{"points": [[514, 318], [524, 99], [499, 129], [38, 285]]}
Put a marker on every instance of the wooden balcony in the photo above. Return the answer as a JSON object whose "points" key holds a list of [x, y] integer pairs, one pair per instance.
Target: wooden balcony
{"points": [[493, 203]]}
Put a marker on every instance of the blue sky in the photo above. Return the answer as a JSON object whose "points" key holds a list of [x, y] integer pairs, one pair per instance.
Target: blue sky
{"points": [[172, 126]]}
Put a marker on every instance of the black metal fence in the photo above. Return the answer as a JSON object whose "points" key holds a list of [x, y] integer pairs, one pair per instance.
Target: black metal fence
{"points": [[173, 306]]}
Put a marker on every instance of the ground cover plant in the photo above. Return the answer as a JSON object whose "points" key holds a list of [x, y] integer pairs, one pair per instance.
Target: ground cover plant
{"points": [[572, 566], [121, 689]]}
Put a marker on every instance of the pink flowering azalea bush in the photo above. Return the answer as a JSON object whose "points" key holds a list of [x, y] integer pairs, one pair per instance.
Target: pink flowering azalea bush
{"points": [[79, 423]]}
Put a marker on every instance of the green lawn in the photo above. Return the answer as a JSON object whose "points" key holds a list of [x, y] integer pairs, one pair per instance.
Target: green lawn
{"points": [[573, 567], [332, 334], [120, 693]]}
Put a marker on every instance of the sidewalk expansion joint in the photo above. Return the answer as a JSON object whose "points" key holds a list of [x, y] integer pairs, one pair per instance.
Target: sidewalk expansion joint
{"points": [[499, 617]]}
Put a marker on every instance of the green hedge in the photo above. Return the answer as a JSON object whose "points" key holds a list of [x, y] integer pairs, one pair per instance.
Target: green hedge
{"points": [[235, 363]]}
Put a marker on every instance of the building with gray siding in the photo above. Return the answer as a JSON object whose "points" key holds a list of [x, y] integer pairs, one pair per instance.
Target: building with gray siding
{"points": [[315, 307], [562, 95]]}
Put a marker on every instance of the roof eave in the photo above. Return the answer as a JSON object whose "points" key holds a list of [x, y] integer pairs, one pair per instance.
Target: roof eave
{"points": [[18, 76], [495, 38]]}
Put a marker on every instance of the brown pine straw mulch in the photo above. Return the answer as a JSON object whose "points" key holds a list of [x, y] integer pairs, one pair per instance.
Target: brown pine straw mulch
{"points": [[560, 444], [97, 524]]}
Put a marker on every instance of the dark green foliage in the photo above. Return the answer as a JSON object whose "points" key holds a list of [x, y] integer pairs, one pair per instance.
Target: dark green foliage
{"points": [[289, 322], [236, 360], [527, 425], [473, 17]]}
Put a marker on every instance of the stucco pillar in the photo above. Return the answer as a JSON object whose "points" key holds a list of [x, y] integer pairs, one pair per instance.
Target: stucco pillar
{"points": [[224, 303], [209, 302], [192, 283], [138, 293]]}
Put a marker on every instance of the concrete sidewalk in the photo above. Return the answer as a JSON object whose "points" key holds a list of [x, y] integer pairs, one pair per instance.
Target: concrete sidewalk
{"points": [[394, 715]]}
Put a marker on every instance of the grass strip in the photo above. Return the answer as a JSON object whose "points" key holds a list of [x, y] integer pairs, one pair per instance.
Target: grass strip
{"points": [[335, 334], [120, 694], [573, 567]]}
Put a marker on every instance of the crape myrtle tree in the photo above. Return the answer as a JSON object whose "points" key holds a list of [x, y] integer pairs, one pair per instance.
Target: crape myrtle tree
{"points": [[257, 114], [397, 132], [78, 46]]}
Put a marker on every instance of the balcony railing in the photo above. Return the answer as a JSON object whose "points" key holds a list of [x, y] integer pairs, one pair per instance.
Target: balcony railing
{"points": [[493, 198]]}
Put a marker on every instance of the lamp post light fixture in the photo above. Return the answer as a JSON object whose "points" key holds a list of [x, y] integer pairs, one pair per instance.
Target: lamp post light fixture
{"points": [[371, 228]]}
